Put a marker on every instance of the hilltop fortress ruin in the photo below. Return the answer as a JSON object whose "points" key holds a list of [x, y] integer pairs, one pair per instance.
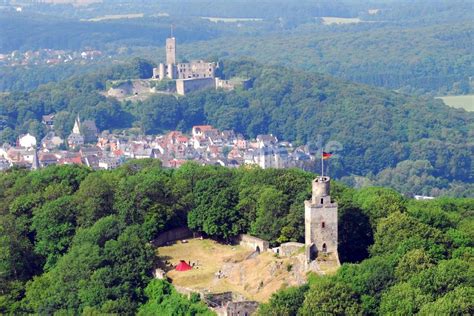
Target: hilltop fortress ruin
{"points": [[173, 77], [191, 76], [233, 279], [321, 232]]}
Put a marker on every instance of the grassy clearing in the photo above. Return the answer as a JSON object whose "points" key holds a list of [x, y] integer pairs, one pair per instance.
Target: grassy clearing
{"points": [[459, 101], [256, 278]]}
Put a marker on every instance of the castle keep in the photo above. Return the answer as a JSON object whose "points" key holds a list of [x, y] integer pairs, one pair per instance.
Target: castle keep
{"points": [[196, 69], [195, 75], [320, 221], [192, 76]]}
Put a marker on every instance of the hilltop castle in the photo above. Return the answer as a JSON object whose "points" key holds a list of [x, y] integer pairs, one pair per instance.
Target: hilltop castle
{"points": [[192, 76], [321, 233], [320, 222]]}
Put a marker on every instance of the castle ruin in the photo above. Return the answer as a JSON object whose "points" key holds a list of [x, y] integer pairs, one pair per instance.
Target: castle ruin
{"points": [[191, 76]]}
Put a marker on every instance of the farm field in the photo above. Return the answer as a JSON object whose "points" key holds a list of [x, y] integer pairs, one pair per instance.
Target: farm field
{"points": [[459, 101]]}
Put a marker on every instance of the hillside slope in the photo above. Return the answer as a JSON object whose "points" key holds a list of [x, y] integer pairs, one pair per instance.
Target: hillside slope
{"points": [[374, 128]]}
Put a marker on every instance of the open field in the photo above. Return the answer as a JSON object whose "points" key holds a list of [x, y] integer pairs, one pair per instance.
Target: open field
{"points": [[117, 17], [255, 278], [230, 20], [74, 2], [328, 20], [459, 101]]}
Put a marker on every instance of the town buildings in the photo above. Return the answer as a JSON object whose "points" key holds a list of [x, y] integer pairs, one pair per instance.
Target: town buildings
{"points": [[205, 145]]}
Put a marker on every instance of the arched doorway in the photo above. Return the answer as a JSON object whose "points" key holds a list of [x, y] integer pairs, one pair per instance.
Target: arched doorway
{"points": [[325, 249], [313, 252]]}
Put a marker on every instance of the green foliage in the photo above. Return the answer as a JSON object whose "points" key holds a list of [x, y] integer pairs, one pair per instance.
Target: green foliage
{"points": [[378, 203], [355, 233], [413, 262], [54, 224], [402, 299], [457, 302], [326, 297], [164, 300], [400, 233], [76, 241], [95, 198], [271, 208], [215, 213], [285, 302], [109, 266]]}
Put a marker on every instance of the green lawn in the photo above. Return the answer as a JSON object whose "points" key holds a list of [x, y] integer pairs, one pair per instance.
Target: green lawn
{"points": [[460, 101]]}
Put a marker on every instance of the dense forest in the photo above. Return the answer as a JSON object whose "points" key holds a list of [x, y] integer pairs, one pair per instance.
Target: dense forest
{"points": [[418, 47], [379, 133], [75, 240], [435, 58]]}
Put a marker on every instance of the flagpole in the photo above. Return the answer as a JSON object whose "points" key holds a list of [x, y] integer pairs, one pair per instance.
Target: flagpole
{"points": [[327, 168], [322, 163]]}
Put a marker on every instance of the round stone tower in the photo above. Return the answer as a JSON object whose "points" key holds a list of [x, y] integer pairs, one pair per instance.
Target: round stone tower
{"points": [[321, 188], [320, 220]]}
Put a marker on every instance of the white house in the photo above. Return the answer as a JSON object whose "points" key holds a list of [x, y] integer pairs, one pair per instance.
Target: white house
{"points": [[27, 141]]}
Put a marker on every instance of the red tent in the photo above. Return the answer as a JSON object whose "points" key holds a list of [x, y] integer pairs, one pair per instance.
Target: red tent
{"points": [[183, 266]]}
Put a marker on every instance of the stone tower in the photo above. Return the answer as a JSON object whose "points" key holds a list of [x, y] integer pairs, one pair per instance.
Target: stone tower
{"points": [[171, 51], [320, 221]]}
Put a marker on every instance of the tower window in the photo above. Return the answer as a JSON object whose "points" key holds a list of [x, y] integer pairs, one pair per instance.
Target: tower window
{"points": [[323, 224], [322, 200]]}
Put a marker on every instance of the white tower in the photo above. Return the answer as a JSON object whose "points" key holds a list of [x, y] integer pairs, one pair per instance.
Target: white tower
{"points": [[77, 126]]}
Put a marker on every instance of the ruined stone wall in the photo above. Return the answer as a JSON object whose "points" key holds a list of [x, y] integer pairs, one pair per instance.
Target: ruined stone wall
{"points": [[245, 308], [253, 242], [184, 86], [196, 69], [217, 299], [290, 248], [172, 235]]}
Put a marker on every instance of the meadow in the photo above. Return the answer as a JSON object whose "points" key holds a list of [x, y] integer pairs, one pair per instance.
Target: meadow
{"points": [[459, 101]]}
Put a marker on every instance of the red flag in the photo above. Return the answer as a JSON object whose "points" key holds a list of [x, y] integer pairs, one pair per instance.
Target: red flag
{"points": [[326, 155]]}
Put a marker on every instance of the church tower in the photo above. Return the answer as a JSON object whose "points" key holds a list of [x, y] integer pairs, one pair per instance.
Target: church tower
{"points": [[77, 126], [320, 221]]}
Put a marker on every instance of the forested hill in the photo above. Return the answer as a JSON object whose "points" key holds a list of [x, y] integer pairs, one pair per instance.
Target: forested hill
{"points": [[75, 241], [421, 139], [416, 46], [428, 58]]}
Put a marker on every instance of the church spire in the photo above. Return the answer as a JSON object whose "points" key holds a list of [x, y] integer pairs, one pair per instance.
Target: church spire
{"points": [[77, 126], [35, 164]]}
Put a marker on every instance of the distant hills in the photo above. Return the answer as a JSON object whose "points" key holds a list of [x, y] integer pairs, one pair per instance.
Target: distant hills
{"points": [[417, 47]]}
